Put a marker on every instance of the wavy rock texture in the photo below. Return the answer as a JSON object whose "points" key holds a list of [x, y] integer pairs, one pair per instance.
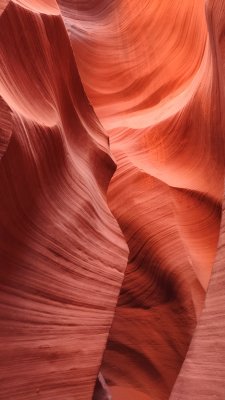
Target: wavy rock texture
{"points": [[154, 73], [62, 252], [156, 83], [203, 373]]}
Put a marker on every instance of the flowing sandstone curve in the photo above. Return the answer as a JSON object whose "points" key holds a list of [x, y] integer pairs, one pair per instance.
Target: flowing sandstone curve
{"points": [[203, 372], [59, 276], [153, 72], [155, 81]]}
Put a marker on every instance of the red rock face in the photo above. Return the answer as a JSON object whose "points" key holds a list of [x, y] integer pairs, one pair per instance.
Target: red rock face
{"points": [[112, 142], [62, 252]]}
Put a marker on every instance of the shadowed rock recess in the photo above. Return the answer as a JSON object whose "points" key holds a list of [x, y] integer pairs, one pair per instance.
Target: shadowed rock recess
{"points": [[112, 210]]}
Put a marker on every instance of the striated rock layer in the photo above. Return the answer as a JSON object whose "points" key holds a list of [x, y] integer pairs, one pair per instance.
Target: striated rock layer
{"points": [[62, 252], [203, 372], [156, 82], [153, 72]]}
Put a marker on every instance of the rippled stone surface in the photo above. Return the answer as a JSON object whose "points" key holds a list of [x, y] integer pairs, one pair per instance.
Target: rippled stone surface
{"points": [[111, 204]]}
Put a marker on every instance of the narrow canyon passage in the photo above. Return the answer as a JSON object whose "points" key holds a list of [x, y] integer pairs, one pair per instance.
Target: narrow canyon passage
{"points": [[111, 200]]}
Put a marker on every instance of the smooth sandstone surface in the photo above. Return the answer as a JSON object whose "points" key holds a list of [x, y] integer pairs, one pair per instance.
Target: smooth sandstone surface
{"points": [[112, 200], [156, 82], [62, 252]]}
